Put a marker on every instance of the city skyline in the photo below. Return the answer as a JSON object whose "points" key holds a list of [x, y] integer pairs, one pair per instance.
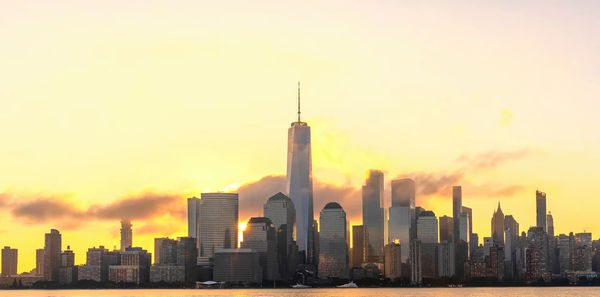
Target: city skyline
{"points": [[162, 112]]}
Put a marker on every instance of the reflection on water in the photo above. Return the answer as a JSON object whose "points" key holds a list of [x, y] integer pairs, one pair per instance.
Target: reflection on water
{"points": [[376, 292]]}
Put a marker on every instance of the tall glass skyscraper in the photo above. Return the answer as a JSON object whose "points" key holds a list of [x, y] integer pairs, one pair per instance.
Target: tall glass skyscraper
{"points": [[373, 217], [217, 224], [299, 184], [402, 223], [540, 207], [333, 242]]}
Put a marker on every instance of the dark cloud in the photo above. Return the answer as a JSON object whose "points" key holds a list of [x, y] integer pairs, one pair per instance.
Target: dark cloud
{"points": [[140, 207], [45, 209], [253, 195], [493, 158], [428, 183], [156, 229]]}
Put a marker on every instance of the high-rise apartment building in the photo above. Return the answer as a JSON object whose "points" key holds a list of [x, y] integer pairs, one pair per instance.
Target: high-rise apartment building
{"points": [[540, 207], [550, 224], [299, 184], [52, 250], [373, 215], [134, 267], [9, 261], [333, 242], [39, 261], [217, 224], [126, 234]]}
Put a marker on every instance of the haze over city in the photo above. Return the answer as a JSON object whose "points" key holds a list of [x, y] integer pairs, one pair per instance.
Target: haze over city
{"points": [[123, 110]]}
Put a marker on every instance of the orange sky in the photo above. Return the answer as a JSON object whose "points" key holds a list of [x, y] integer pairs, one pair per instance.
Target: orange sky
{"points": [[126, 108]]}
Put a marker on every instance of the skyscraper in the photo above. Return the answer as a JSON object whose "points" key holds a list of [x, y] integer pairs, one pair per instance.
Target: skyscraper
{"points": [[550, 224], [498, 226], [299, 184], [540, 206], [281, 211], [358, 245], [126, 234], [192, 204], [402, 224], [39, 261], [446, 229], [260, 236], [217, 225], [333, 242], [427, 227], [9, 261], [456, 209], [393, 261], [52, 249], [469, 213], [373, 217]]}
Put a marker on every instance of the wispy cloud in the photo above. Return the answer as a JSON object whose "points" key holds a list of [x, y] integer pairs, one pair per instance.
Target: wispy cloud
{"points": [[492, 159]]}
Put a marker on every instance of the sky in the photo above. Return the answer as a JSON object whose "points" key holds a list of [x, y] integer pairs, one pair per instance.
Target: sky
{"points": [[125, 108]]}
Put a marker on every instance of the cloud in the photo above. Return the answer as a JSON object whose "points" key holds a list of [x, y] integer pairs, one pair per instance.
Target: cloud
{"points": [[140, 207], [492, 159], [155, 229], [42, 210], [492, 191], [428, 183]]}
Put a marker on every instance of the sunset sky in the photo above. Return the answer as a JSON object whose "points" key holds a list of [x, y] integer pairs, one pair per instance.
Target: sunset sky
{"points": [[125, 108]]}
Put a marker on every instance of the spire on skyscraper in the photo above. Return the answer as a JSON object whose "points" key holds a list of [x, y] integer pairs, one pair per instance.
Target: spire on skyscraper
{"points": [[298, 101]]}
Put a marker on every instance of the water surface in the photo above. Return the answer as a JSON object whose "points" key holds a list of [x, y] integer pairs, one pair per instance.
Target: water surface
{"points": [[366, 292]]}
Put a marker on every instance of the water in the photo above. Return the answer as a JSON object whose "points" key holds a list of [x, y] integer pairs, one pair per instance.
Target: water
{"points": [[375, 292]]}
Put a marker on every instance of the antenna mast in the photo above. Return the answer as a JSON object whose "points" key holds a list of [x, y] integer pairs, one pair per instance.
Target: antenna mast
{"points": [[298, 101]]}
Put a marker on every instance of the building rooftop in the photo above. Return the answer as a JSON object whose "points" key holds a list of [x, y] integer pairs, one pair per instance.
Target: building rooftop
{"points": [[258, 220], [332, 205]]}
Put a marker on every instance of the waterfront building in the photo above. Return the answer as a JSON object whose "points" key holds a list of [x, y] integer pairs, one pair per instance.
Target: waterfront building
{"points": [[333, 242], [217, 225], [393, 261], [540, 207], [427, 227], [67, 273], [134, 267], [446, 229], [126, 234], [193, 205], [498, 227], [299, 185], [260, 235], [97, 262], [237, 266], [9, 261], [373, 215], [52, 249], [358, 245]]}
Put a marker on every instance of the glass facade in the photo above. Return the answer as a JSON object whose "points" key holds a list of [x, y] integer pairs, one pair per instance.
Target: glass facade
{"points": [[373, 216], [217, 224], [333, 242]]}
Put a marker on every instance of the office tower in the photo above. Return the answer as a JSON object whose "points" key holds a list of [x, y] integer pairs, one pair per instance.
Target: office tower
{"points": [[469, 214], [511, 224], [299, 184], [260, 236], [537, 254], [393, 260], [473, 243], [68, 270], [540, 206], [134, 267], [565, 246], [9, 261], [97, 262], [584, 238], [282, 213], [403, 195], [456, 209], [165, 251], [333, 242], [416, 276], [550, 224], [176, 262], [358, 245], [192, 207], [237, 266], [427, 227], [39, 261], [126, 234], [52, 248], [446, 229], [446, 259], [464, 227], [217, 224], [498, 226], [373, 218], [399, 227]]}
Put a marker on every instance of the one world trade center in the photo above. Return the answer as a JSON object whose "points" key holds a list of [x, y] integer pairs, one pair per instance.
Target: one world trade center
{"points": [[299, 185]]}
